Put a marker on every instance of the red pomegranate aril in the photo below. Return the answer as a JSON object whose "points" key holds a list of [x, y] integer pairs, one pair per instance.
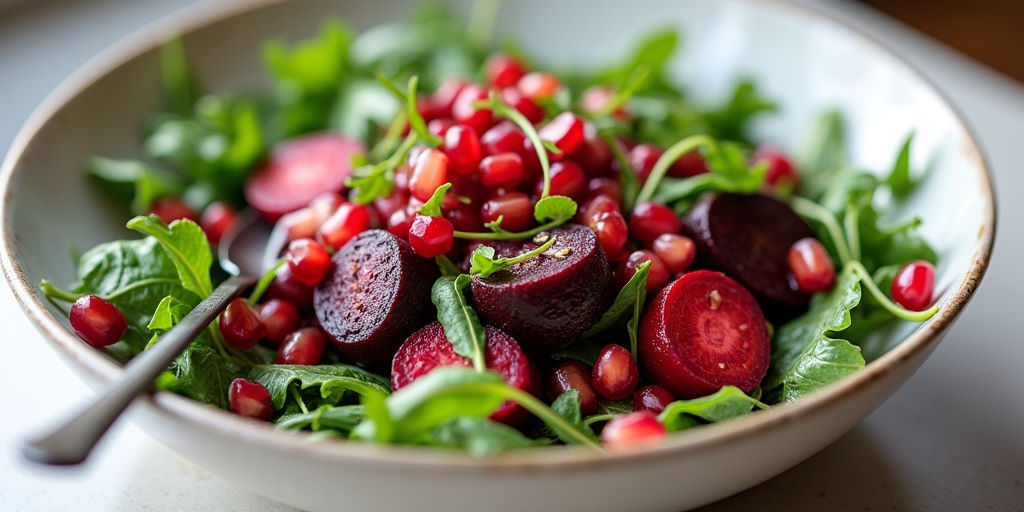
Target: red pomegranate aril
{"points": [[780, 169], [572, 375], [567, 179], [250, 399], [565, 131], [216, 220], [440, 127], [615, 374], [503, 71], [810, 267], [643, 157], [596, 99], [612, 232], [241, 327], [650, 220], [304, 346], [279, 317], [657, 275], [677, 252], [464, 217], [504, 137], [98, 322], [593, 154], [526, 106], [632, 430], [431, 236], [170, 209], [308, 261], [347, 221], [448, 91], [595, 207], [514, 208], [538, 85], [429, 108], [464, 110], [400, 221], [301, 223], [462, 146], [605, 186], [286, 287], [501, 170], [653, 398], [429, 172], [690, 164], [914, 285], [326, 204], [398, 200]]}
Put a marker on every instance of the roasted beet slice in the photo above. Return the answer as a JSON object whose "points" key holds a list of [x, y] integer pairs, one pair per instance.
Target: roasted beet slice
{"points": [[546, 302], [376, 293], [298, 171], [429, 348], [748, 237], [704, 331]]}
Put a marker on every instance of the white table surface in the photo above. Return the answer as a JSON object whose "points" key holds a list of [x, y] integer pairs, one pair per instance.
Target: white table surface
{"points": [[951, 439]]}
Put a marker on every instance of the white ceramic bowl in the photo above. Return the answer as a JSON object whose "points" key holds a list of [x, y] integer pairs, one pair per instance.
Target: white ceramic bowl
{"points": [[804, 60]]}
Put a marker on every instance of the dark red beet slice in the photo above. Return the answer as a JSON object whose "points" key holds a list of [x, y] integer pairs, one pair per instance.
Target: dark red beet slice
{"points": [[748, 237], [546, 302], [298, 171], [375, 295], [704, 331], [428, 348]]}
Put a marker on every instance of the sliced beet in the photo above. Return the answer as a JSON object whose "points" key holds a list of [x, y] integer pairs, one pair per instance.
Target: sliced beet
{"points": [[547, 301], [748, 237], [704, 331], [429, 348], [376, 294], [298, 171]]}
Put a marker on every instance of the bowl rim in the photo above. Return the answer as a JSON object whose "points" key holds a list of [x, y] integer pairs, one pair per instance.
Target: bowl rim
{"points": [[263, 435]]}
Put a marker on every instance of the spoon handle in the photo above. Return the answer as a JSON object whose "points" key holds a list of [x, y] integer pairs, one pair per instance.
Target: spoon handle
{"points": [[73, 439]]}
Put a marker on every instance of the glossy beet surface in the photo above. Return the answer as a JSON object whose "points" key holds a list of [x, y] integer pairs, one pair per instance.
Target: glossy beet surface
{"points": [[376, 293], [546, 302], [429, 348], [748, 238], [702, 332]]}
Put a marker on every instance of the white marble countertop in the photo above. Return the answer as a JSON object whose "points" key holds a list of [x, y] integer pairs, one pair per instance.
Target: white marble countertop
{"points": [[951, 439]]}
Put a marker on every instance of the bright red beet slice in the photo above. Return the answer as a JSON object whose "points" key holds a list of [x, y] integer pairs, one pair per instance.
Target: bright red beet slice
{"points": [[748, 237], [298, 171], [429, 348], [702, 332], [376, 294], [547, 301]]}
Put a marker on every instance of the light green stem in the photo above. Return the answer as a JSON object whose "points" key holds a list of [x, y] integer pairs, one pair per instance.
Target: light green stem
{"points": [[505, 235], [548, 416], [811, 210], [51, 290], [669, 157], [883, 299], [852, 229]]}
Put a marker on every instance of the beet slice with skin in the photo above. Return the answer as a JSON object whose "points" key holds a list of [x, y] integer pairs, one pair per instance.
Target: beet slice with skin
{"points": [[548, 301], [429, 348], [375, 295], [704, 331], [748, 237], [300, 170]]}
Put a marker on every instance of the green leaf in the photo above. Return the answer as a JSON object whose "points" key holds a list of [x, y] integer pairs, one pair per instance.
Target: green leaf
{"points": [[824, 155], [332, 379], [312, 66], [362, 109], [186, 244], [178, 88], [567, 405], [651, 54], [204, 374], [555, 209], [480, 437], [133, 181], [629, 300], [899, 179], [432, 208], [484, 264], [169, 312], [326, 417], [461, 324], [726, 403], [730, 121], [804, 355]]}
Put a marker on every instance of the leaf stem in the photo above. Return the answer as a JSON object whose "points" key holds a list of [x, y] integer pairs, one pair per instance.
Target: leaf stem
{"points": [[542, 411], [627, 175], [889, 305], [850, 219], [505, 235], [51, 291], [498, 106], [673, 153], [293, 390], [810, 209], [264, 282]]}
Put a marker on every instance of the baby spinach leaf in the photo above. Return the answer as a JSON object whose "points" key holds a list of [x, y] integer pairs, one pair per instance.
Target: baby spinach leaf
{"points": [[432, 208], [824, 155], [333, 380], [484, 264], [804, 356], [461, 324], [135, 182], [186, 245], [726, 403], [480, 437], [554, 208]]}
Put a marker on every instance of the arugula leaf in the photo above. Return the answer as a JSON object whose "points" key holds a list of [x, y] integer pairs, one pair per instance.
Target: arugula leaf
{"points": [[554, 208], [178, 88], [203, 374], [804, 356], [567, 405], [824, 155], [368, 182], [484, 264], [728, 171], [362, 109], [461, 324], [186, 245], [169, 312], [899, 179], [333, 380], [480, 437], [135, 182], [730, 121], [726, 403], [326, 417], [629, 299], [650, 54], [432, 208]]}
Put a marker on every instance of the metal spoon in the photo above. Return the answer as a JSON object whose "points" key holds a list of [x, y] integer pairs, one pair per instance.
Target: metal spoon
{"points": [[241, 254]]}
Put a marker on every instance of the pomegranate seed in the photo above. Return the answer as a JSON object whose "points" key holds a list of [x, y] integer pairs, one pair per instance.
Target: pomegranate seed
{"points": [[612, 232], [605, 186], [649, 220], [448, 91], [279, 318], [690, 164], [287, 288], [304, 346], [216, 220], [526, 106], [170, 209], [642, 158], [462, 146], [593, 154], [429, 172], [504, 137], [567, 179], [780, 170], [398, 200], [595, 207], [657, 276], [503, 71], [572, 375], [465, 112], [241, 327], [250, 399], [399, 222], [326, 204], [347, 222], [914, 285], [464, 217], [308, 261], [632, 430], [597, 98], [677, 252], [514, 208], [431, 236], [98, 322], [652, 398], [429, 108], [501, 170], [439, 127], [565, 131], [537, 85], [615, 373], [301, 223], [464, 187], [810, 266]]}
